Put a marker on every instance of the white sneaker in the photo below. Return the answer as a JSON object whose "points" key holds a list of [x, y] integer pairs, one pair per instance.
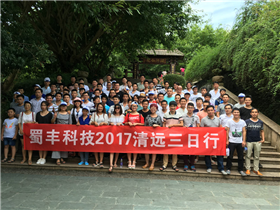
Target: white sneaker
{"points": [[39, 161], [43, 161], [209, 170], [223, 172]]}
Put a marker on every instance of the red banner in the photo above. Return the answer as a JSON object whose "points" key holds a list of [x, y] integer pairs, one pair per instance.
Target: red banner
{"points": [[125, 139]]}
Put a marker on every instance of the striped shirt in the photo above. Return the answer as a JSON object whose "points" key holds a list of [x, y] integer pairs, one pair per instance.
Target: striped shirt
{"points": [[171, 119]]}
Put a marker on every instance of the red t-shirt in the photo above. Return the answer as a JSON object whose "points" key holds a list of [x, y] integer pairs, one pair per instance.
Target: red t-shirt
{"points": [[137, 118]]}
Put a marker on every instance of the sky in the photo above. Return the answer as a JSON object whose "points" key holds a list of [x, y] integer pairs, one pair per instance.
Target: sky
{"points": [[219, 11]]}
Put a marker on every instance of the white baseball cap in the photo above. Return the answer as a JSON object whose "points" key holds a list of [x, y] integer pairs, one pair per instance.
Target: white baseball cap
{"points": [[47, 79]]}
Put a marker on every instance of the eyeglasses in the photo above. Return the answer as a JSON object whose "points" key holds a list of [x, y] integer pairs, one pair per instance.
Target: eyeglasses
{"points": [[117, 108]]}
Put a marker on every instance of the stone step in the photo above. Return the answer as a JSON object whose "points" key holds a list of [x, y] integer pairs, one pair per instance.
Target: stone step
{"points": [[200, 172], [268, 149], [266, 143], [270, 154]]}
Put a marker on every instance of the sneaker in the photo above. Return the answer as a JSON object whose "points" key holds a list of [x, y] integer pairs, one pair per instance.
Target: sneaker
{"points": [[86, 163], [209, 170], [43, 161], [242, 173], [80, 163], [186, 168], [193, 168], [223, 172], [248, 172], [228, 172], [39, 161], [258, 173]]}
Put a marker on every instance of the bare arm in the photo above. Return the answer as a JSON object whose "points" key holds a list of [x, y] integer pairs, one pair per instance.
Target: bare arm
{"points": [[262, 134], [15, 136], [2, 133], [227, 135], [244, 136]]}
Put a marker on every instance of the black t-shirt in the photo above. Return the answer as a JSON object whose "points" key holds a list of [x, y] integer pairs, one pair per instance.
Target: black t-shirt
{"points": [[120, 95], [144, 114], [245, 113], [44, 119], [253, 130]]}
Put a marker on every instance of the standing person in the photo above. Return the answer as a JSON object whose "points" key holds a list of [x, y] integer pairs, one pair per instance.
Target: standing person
{"points": [[111, 97], [141, 83], [20, 105], [190, 120], [164, 90], [180, 91], [187, 97], [129, 85], [51, 106], [26, 117], [195, 95], [124, 84], [43, 117], [177, 100], [118, 92], [151, 97], [156, 83], [189, 88], [215, 93], [21, 91], [66, 99], [163, 109], [207, 97], [59, 82], [133, 119], [219, 100], [116, 100], [236, 140], [254, 127], [53, 90], [203, 113], [169, 96], [245, 112], [107, 89], [72, 82], [199, 106], [221, 107], [160, 79], [46, 89], [125, 103], [88, 103], [134, 90], [175, 87], [99, 118], [117, 119], [61, 117], [160, 98], [36, 102], [227, 116], [82, 81], [35, 87], [171, 119], [146, 87], [145, 111], [77, 111], [9, 135], [183, 109], [203, 92], [104, 100], [58, 98], [241, 103], [84, 120], [212, 121], [94, 87], [108, 81], [152, 120]]}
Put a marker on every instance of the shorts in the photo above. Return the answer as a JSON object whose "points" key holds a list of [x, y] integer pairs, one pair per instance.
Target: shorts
{"points": [[9, 141]]}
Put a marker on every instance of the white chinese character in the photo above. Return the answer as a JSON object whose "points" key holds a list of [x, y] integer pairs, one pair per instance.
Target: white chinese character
{"points": [[195, 140], [89, 136], [174, 141], [36, 136], [70, 136], [206, 137], [142, 139], [54, 136], [158, 140]]}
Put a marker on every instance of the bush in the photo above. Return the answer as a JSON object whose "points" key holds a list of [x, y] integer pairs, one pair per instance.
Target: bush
{"points": [[171, 78]]}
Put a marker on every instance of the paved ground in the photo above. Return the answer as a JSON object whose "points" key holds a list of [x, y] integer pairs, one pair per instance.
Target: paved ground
{"points": [[42, 189]]}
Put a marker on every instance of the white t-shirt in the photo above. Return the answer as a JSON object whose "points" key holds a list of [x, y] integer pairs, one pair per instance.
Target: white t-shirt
{"points": [[90, 105], [77, 113], [98, 118], [194, 97], [135, 93], [46, 90], [235, 130], [10, 127], [116, 119], [161, 113], [182, 111], [224, 118], [214, 95], [36, 105], [24, 118], [111, 109]]}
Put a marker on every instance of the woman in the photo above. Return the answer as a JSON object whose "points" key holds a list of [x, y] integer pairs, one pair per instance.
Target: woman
{"points": [[135, 98], [99, 118], [134, 91], [26, 117], [61, 117], [43, 117], [177, 100], [116, 118], [133, 119], [152, 120], [77, 111], [110, 98], [84, 120]]}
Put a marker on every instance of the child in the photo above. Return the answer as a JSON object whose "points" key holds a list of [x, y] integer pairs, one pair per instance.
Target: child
{"points": [[9, 134], [84, 120]]}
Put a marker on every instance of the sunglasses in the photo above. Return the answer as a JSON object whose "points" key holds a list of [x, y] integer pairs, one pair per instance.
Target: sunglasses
{"points": [[117, 108]]}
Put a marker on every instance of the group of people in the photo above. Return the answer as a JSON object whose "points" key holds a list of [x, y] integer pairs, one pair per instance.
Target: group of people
{"points": [[147, 103]]}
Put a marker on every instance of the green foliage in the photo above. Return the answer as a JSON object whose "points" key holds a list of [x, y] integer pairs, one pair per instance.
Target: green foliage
{"points": [[171, 78]]}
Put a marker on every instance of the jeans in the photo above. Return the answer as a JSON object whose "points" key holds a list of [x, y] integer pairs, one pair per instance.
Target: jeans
{"points": [[84, 156], [239, 149], [186, 159], [220, 162]]}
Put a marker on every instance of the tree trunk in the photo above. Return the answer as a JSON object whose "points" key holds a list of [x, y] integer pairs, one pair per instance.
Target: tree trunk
{"points": [[9, 83]]}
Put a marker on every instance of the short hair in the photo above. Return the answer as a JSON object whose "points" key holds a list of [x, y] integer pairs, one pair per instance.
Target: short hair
{"points": [[74, 76], [159, 74], [248, 96], [190, 104], [58, 93], [84, 93], [164, 101], [255, 109], [169, 88], [228, 105], [99, 84], [76, 83], [53, 84], [151, 82], [82, 89], [189, 83], [145, 100], [115, 96], [97, 90], [223, 90], [142, 75], [166, 82], [125, 94], [199, 98], [20, 96], [44, 102], [59, 75], [103, 96], [183, 99], [116, 83], [80, 83], [210, 106], [39, 89], [135, 84], [74, 90], [215, 82], [226, 95], [160, 94], [146, 81], [48, 95], [175, 83], [128, 81], [235, 109], [178, 95], [94, 80], [66, 94], [81, 79], [124, 77], [136, 96], [207, 94], [95, 97], [206, 102], [11, 109], [204, 88]]}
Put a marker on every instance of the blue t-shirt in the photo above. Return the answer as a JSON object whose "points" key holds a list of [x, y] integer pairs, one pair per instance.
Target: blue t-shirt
{"points": [[107, 108], [172, 98], [218, 101], [109, 102], [253, 130], [84, 122]]}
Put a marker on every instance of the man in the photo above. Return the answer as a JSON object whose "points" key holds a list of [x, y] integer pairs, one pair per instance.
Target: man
{"points": [[195, 95], [59, 82], [21, 91], [141, 83], [81, 92], [74, 94], [51, 106], [166, 86], [175, 87], [151, 96], [14, 103], [118, 92], [219, 100], [35, 87], [169, 96], [53, 90], [212, 121], [203, 91], [146, 87], [107, 90], [236, 140], [221, 107], [88, 103], [152, 87], [199, 106], [108, 80], [134, 90], [100, 87], [190, 120], [215, 93], [46, 89], [81, 81], [245, 112], [145, 111], [125, 102], [20, 105], [124, 84], [129, 86], [227, 116], [187, 97], [180, 91], [254, 127], [157, 86], [207, 97], [66, 99], [101, 81], [96, 100], [189, 88], [182, 110], [116, 100], [104, 101], [203, 113], [241, 98], [94, 86], [36, 102], [72, 81], [161, 112], [171, 119]]}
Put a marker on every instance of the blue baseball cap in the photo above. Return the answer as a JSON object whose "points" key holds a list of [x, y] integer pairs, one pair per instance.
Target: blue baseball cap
{"points": [[241, 95], [63, 104]]}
